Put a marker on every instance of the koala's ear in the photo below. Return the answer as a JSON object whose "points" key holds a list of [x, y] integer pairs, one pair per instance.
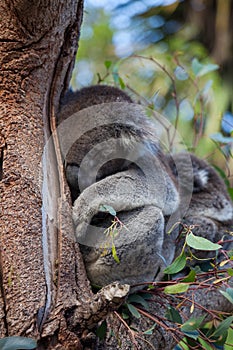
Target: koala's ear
{"points": [[200, 179]]}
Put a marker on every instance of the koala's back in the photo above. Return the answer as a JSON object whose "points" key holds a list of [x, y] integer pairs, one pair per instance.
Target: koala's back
{"points": [[90, 96]]}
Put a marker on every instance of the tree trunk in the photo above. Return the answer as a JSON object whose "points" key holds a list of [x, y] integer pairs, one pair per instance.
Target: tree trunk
{"points": [[39, 258]]}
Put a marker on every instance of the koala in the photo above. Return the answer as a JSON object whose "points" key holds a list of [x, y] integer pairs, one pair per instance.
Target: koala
{"points": [[113, 159], [210, 210], [127, 135]]}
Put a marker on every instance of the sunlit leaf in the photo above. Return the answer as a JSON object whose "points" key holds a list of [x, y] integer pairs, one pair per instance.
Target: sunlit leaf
{"points": [[180, 73], [114, 253], [108, 64], [186, 110], [230, 272], [121, 82], [201, 243], [177, 265], [200, 69], [181, 346], [205, 345], [207, 87], [229, 340], [228, 294], [218, 137], [176, 288]]}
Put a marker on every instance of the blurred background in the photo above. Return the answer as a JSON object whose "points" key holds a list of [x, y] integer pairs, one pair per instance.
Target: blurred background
{"points": [[175, 57]]}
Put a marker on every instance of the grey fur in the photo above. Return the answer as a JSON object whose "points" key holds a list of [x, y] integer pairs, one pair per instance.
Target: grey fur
{"points": [[138, 185], [210, 209]]}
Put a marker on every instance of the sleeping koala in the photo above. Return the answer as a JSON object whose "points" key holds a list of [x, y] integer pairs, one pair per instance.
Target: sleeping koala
{"points": [[113, 158], [210, 210]]}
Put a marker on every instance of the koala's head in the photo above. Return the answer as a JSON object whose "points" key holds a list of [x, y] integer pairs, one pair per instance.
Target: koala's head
{"points": [[110, 135]]}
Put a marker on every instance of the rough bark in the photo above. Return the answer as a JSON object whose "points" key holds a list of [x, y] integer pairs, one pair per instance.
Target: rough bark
{"points": [[39, 259]]}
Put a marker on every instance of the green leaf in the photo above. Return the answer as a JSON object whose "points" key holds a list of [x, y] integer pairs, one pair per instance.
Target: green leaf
{"points": [[205, 345], [102, 330], [107, 209], [191, 277], [218, 137], [228, 294], [15, 343], [186, 110], [150, 330], [229, 340], [191, 334], [180, 73], [108, 64], [230, 272], [230, 191], [207, 86], [223, 327], [176, 288], [200, 69], [201, 243], [177, 265], [121, 82], [114, 254], [135, 298], [173, 315], [181, 346], [133, 310], [193, 323]]}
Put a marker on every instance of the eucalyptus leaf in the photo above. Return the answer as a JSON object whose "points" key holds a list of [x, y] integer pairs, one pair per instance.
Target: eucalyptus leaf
{"points": [[102, 330], [186, 112], [201, 243], [150, 330], [108, 64], [191, 277], [205, 345], [173, 315], [133, 310], [193, 323], [114, 254], [200, 69], [223, 327], [107, 209], [180, 73], [177, 265], [228, 294], [218, 137], [176, 288], [191, 334], [135, 298]]}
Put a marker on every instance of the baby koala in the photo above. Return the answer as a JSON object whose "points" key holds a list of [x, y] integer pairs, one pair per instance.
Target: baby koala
{"points": [[210, 211]]}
